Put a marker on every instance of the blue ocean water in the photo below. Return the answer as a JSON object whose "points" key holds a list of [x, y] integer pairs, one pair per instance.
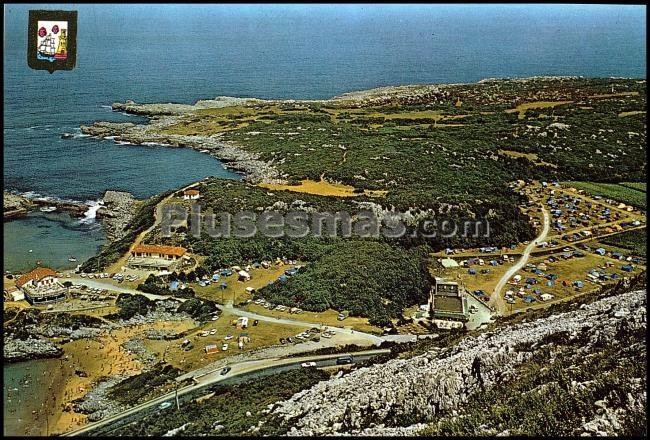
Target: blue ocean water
{"points": [[173, 53]]}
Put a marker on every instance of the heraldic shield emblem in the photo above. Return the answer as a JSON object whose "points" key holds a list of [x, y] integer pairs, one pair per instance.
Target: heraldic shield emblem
{"points": [[52, 40]]}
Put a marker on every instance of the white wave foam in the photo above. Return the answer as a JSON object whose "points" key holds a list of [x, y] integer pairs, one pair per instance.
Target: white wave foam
{"points": [[91, 213]]}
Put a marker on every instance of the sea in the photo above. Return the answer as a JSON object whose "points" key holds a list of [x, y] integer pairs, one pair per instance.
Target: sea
{"points": [[183, 53]]}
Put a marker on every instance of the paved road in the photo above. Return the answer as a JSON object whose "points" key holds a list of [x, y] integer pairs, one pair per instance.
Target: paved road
{"points": [[496, 299], [251, 315], [104, 284], [206, 380]]}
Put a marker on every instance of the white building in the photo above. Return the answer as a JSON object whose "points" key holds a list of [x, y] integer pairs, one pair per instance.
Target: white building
{"points": [[41, 285], [191, 194]]}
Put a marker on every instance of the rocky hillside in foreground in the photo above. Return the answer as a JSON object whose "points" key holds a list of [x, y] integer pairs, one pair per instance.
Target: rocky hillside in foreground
{"points": [[576, 373]]}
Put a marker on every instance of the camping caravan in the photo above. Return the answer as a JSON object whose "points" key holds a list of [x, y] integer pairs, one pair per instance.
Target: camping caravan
{"points": [[243, 275], [211, 349]]}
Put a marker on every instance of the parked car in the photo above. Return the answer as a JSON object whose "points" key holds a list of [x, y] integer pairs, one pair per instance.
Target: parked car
{"points": [[256, 322], [164, 405], [224, 347]]}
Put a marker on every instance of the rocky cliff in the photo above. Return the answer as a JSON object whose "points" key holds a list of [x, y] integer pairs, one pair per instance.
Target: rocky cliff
{"points": [[434, 391], [116, 213], [14, 206]]}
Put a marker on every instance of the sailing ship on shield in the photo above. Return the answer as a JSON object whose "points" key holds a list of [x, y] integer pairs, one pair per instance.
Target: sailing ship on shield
{"points": [[49, 49]]}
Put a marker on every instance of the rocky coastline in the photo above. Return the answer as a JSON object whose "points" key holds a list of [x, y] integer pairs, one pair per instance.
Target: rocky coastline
{"points": [[116, 213], [233, 157], [16, 206], [16, 350]]}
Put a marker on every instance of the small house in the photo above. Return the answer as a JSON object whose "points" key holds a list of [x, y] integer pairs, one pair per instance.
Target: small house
{"points": [[546, 297], [191, 194]]}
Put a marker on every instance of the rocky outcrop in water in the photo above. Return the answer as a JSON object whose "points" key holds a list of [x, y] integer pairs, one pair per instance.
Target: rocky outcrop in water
{"points": [[118, 210], [376, 400], [32, 348], [14, 206]]}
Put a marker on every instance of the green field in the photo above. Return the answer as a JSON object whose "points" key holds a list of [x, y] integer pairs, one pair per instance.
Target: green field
{"points": [[621, 192], [639, 186], [635, 241]]}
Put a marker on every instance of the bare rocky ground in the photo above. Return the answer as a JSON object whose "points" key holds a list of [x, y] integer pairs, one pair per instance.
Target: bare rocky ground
{"points": [[116, 213], [376, 400]]}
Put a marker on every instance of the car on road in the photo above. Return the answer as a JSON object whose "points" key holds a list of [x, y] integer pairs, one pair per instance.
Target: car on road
{"points": [[225, 371], [308, 364], [342, 360], [164, 405]]}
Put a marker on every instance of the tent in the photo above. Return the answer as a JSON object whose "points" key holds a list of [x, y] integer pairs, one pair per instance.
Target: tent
{"points": [[243, 275], [627, 268], [283, 278], [223, 286], [546, 297], [471, 271], [448, 263]]}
